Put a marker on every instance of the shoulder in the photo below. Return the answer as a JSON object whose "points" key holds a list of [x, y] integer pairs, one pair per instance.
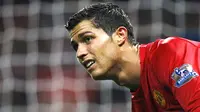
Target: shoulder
{"points": [[175, 45], [164, 52], [171, 45], [163, 55], [170, 42], [170, 48], [175, 42]]}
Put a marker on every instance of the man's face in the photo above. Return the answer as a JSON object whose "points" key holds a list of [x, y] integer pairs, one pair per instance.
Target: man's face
{"points": [[95, 49]]}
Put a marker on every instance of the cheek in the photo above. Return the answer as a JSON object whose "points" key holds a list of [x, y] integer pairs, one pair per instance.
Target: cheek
{"points": [[104, 51], [106, 54], [110, 50]]}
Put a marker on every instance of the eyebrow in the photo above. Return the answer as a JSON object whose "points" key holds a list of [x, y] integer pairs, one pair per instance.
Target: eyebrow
{"points": [[82, 34], [79, 36]]}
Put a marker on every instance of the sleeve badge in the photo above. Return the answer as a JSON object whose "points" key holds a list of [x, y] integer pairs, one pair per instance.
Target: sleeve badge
{"points": [[183, 75]]}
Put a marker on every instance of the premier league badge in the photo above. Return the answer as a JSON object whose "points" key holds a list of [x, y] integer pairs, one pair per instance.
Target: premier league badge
{"points": [[183, 75]]}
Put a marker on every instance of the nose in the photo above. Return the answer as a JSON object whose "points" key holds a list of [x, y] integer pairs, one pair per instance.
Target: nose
{"points": [[81, 51]]}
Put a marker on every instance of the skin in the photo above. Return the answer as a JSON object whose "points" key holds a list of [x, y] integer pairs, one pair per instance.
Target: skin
{"points": [[115, 59]]}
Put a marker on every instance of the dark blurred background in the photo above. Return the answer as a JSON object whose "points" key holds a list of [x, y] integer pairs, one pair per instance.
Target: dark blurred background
{"points": [[38, 69]]}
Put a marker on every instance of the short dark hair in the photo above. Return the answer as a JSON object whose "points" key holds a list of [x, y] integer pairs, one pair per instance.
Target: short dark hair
{"points": [[103, 15]]}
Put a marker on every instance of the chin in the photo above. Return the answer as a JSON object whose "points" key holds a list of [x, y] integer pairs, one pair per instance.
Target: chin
{"points": [[98, 76]]}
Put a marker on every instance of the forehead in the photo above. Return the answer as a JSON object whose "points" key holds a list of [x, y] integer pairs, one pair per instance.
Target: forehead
{"points": [[83, 26]]}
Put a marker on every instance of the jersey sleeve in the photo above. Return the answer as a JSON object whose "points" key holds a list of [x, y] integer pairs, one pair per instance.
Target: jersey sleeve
{"points": [[177, 61]]}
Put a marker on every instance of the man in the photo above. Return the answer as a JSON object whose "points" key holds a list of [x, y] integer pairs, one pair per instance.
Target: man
{"points": [[166, 72]]}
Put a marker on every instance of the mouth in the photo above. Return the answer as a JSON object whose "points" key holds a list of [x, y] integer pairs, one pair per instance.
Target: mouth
{"points": [[88, 63]]}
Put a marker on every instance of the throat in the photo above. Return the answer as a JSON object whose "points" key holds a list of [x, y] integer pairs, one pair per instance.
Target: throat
{"points": [[128, 79]]}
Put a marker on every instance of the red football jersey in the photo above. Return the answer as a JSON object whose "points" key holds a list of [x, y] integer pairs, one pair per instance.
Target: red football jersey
{"points": [[169, 78]]}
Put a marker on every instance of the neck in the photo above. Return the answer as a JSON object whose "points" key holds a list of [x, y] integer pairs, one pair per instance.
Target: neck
{"points": [[128, 68]]}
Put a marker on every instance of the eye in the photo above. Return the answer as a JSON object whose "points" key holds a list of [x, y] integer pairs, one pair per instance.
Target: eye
{"points": [[87, 39]]}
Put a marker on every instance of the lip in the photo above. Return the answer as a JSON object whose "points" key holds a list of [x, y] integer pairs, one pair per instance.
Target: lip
{"points": [[89, 69], [84, 63]]}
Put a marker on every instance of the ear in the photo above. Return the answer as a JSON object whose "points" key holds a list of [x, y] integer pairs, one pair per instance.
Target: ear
{"points": [[120, 35]]}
